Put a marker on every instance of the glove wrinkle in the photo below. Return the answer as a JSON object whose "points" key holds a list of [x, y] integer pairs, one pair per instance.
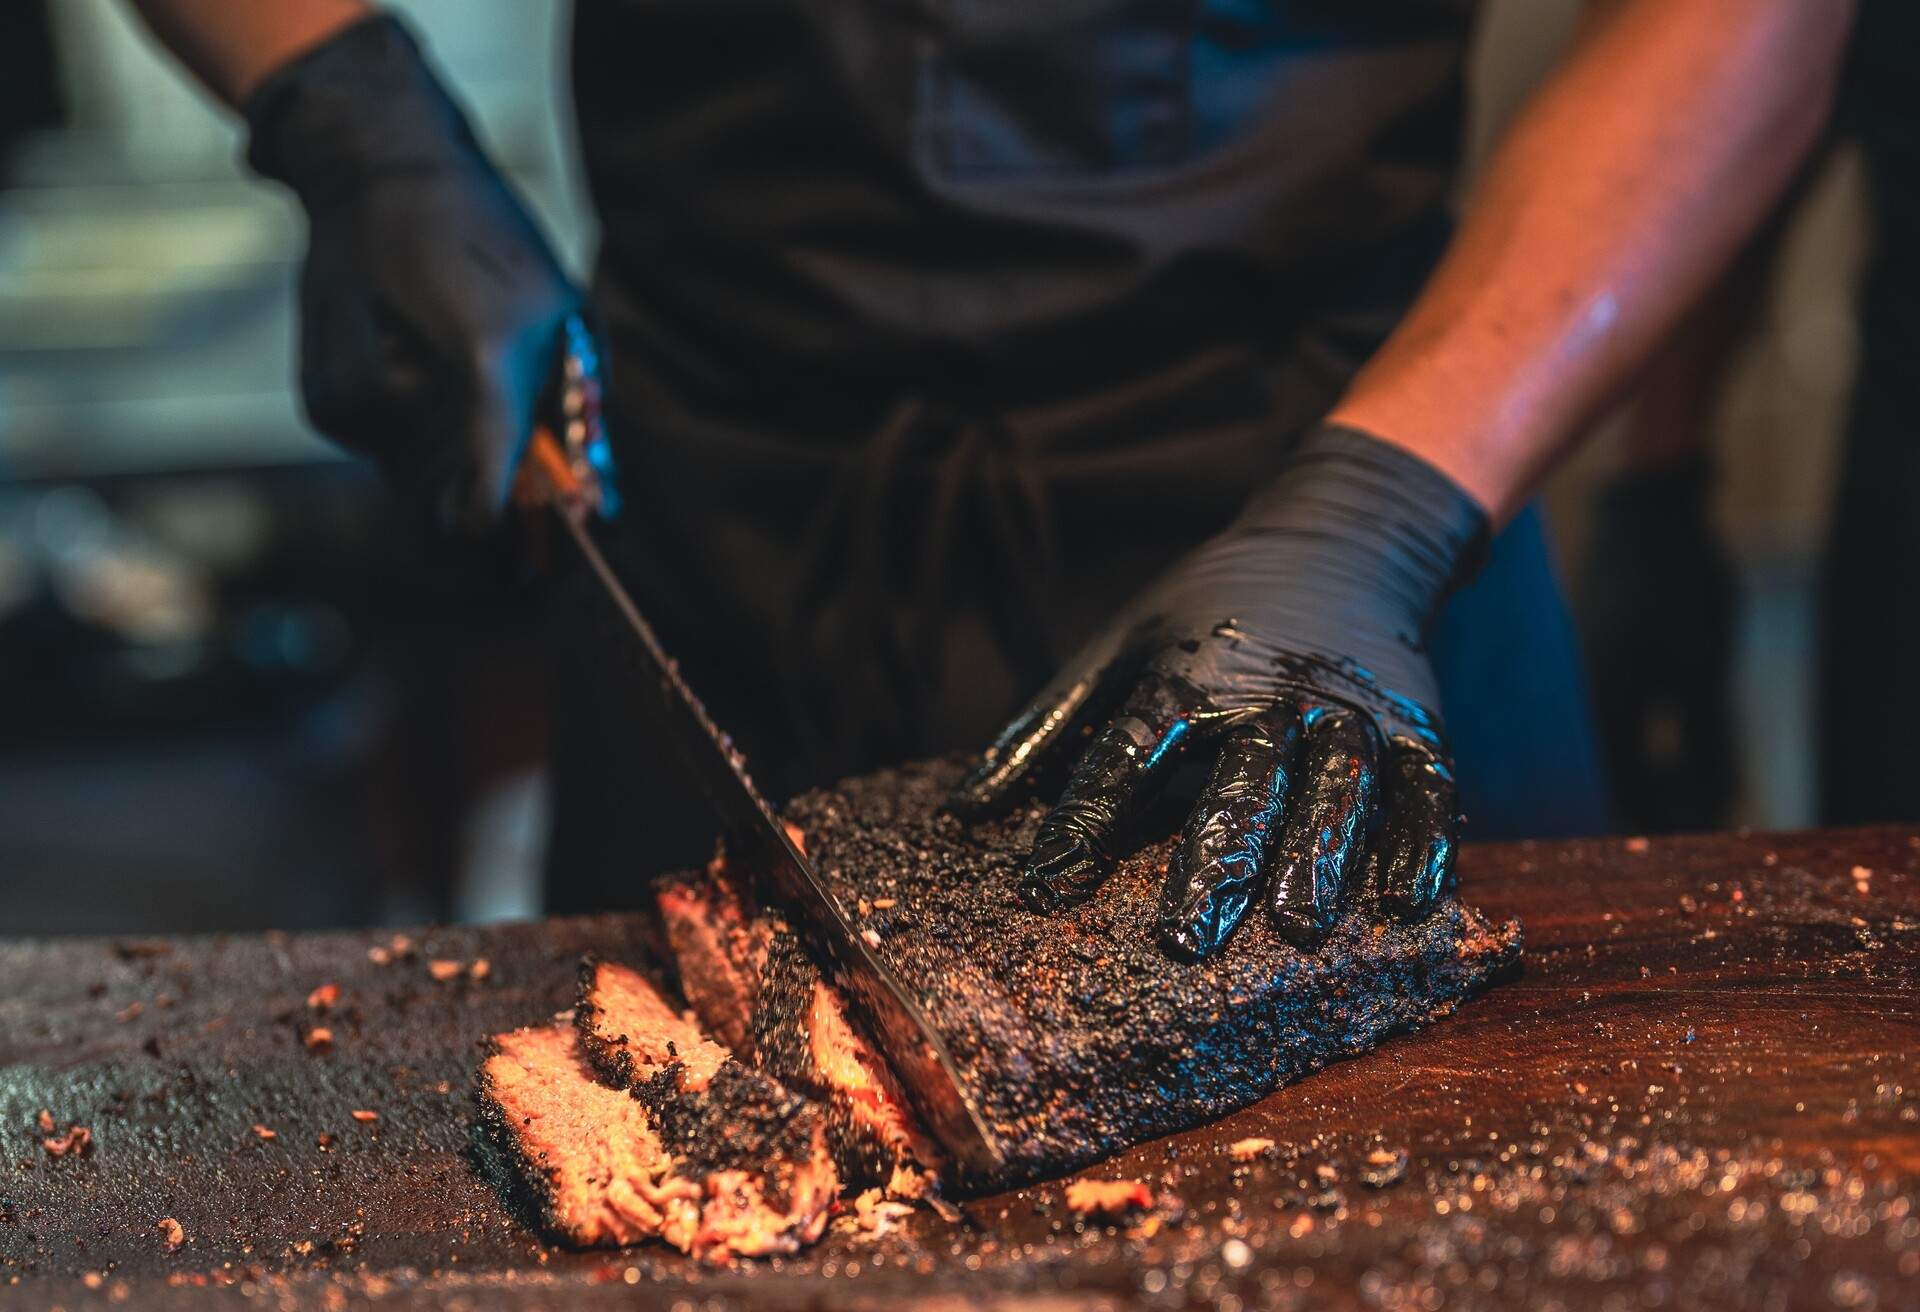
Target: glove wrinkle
{"points": [[1328, 828], [1223, 852]]}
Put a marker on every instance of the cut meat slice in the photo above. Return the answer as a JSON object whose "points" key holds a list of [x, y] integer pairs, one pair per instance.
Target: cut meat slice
{"points": [[718, 937], [760, 1144], [631, 1034], [798, 1030], [589, 1154], [804, 1037], [739, 1166]]}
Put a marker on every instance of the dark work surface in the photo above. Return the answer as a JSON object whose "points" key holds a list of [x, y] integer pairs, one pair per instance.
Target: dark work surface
{"points": [[1703, 1091]]}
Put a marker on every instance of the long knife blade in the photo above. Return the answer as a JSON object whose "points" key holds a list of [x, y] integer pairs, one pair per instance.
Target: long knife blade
{"points": [[908, 1040]]}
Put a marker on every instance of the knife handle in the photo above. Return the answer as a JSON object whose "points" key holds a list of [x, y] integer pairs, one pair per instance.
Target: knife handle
{"points": [[548, 477], [568, 464]]}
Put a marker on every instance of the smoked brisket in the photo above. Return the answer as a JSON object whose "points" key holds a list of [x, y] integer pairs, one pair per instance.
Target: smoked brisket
{"points": [[1075, 1033]]}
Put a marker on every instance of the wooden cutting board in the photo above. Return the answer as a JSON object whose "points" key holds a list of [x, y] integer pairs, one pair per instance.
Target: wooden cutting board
{"points": [[1703, 1091]]}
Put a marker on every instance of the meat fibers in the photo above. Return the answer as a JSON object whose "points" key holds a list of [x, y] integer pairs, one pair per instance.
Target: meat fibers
{"points": [[700, 1151]]}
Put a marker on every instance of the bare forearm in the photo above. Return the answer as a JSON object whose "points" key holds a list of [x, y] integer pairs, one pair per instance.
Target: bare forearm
{"points": [[232, 45], [1624, 188]]}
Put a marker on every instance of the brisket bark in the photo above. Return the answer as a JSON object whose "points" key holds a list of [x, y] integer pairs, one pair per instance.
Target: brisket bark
{"points": [[1074, 1032]]}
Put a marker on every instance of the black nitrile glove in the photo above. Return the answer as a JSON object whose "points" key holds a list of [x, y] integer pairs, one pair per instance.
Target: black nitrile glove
{"points": [[1287, 652], [431, 306]]}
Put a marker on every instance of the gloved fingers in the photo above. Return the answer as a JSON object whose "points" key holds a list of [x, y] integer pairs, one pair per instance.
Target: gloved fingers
{"points": [[1326, 826], [1087, 689], [1414, 855], [1233, 826], [1118, 774]]}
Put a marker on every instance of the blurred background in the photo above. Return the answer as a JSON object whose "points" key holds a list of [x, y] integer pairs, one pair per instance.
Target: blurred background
{"points": [[229, 691]]}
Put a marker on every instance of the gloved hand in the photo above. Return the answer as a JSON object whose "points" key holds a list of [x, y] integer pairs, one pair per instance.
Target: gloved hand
{"points": [[431, 307], [1288, 651]]}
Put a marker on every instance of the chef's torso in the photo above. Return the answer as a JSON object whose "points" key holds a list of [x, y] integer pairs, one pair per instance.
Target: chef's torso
{"points": [[799, 196]]}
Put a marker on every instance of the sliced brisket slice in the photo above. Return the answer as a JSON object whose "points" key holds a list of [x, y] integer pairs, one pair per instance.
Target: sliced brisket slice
{"points": [[589, 1154], [804, 1037], [742, 965], [718, 936], [631, 1034], [714, 1114], [1077, 1035], [714, 1158]]}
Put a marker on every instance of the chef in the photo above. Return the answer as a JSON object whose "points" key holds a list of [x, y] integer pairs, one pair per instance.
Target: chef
{"points": [[1122, 350]]}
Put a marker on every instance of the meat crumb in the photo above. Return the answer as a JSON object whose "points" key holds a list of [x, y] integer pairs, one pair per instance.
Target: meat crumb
{"points": [[265, 1133], [319, 1039], [1638, 846], [76, 1142], [444, 970], [1245, 1150], [1108, 1197], [362, 1115], [129, 1012], [480, 969], [885, 903], [174, 1233], [379, 956], [876, 1215], [323, 998], [1384, 1166], [870, 938], [45, 1121]]}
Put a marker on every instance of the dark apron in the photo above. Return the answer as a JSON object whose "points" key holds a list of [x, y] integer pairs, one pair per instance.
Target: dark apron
{"points": [[1869, 710], [939, 328]]}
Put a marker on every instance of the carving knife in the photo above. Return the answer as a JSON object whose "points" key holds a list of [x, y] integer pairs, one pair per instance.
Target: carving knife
{"points": [[567, 470]]}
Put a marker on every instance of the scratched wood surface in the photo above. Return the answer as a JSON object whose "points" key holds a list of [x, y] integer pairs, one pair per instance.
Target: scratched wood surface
{"points": [[1702, 1091]]}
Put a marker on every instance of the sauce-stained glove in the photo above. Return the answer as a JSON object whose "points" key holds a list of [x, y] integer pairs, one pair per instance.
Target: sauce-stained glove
{"points": [[1288, 653], [431, 306]]}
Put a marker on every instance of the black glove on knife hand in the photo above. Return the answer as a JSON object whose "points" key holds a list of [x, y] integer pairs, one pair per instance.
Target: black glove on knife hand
{"points": [[431, 306], [1289, 650]]}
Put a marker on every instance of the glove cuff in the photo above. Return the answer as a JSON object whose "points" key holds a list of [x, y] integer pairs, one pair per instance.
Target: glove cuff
{"points": [[1421, 534], [360, 105]]}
